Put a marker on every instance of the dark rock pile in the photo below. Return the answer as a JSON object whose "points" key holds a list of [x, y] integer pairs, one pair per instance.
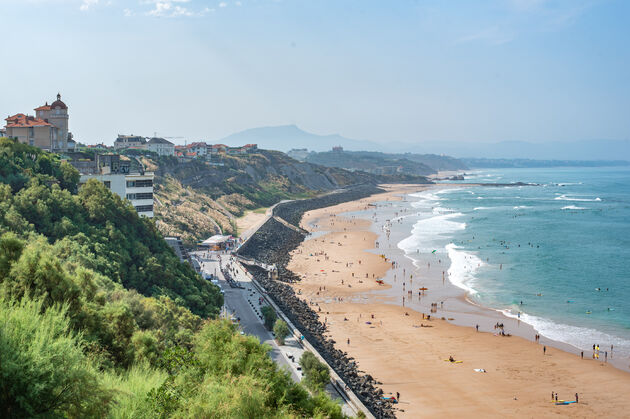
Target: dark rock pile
{"points": [[272, 244], [292, 211]]}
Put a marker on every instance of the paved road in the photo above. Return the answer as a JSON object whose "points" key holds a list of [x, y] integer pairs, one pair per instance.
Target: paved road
{"points": [[244, 304]]}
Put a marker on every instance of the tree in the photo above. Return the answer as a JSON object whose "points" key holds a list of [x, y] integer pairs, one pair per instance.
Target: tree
{"points": [[269, 316], [281, 330], [43, 371], [316, 374]]}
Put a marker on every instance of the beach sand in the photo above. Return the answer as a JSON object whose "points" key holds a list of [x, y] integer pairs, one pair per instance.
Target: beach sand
{"points": [[410, 359]]}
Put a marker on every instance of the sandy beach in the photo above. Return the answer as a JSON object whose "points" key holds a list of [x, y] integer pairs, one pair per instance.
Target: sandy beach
{"points": [[404, 350]]}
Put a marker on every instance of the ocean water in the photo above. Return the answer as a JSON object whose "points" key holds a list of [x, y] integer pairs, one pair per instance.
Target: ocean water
{"points": [[558, 252]]}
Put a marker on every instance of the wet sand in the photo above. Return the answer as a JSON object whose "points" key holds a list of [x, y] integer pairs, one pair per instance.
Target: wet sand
{"points": [[408, 358]]}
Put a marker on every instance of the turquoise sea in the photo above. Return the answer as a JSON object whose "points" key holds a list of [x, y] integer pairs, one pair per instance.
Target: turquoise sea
{"points": [[557, 252]]}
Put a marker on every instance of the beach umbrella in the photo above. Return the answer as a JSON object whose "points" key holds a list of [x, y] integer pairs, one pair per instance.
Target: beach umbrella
{"points": [[423, 288], [434, 251]]}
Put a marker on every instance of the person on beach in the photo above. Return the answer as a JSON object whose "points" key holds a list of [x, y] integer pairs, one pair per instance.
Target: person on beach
{"points": [[477, 327], [398, 396], [577, 398], [544, 350], [348, 341], [552, 396]]}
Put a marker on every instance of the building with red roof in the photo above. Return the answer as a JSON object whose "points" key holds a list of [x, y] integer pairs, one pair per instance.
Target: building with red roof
{"points": [[48, 129]]}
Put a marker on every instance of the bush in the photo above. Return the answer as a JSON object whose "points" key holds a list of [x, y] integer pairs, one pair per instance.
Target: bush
{"points": [[281, 330], [316, 374], [43, 370], [269, 317]]}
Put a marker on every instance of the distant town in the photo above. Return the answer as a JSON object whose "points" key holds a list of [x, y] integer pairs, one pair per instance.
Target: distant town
{"points": [[115, 165]]}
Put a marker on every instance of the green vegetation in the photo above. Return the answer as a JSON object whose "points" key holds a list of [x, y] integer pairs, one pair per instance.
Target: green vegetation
{"points": [[269, 316], [95, 228], [316, 374], [100, 319], [43, 370], [281, 330]]}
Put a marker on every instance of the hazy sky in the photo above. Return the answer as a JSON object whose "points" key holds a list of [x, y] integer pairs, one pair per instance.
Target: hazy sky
{"points": [[404, 70]]}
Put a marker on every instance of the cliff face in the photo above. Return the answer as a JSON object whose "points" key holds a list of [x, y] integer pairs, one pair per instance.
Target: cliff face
{"points": [[385, 163], [196, 199]]}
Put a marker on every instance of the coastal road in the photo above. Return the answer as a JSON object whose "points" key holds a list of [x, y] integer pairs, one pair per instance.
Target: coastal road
{"points": [[244, 303]]}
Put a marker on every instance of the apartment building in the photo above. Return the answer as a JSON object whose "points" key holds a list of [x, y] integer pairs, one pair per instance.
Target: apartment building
{"points": [[123, 178]]}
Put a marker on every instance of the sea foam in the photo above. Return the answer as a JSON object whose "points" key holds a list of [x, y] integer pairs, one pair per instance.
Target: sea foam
{"points": [[461, 273], [579, 337], [571, 198]]}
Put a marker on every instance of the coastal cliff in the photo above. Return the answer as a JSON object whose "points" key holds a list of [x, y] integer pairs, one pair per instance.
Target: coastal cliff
{"points": [[197, 198]]}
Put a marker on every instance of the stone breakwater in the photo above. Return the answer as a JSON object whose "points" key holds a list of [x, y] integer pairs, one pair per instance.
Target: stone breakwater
{"points": [[293, 211], [272, 244]]}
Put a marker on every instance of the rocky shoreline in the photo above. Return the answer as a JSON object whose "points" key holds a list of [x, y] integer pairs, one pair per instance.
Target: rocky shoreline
{"points": [[272, 244]]}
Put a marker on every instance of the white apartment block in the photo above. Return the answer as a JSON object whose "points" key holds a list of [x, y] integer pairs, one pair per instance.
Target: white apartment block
{"points": [[136, 187]]}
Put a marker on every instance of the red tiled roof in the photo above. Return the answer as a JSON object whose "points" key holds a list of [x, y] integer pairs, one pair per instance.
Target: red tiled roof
{"points": [[45, 107], [198, 144], [20, 120]]}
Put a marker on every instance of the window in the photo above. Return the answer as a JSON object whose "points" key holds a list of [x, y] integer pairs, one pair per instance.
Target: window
{"points": [[139, 183], [144, 208], [143, 195], [31, 132], [108, 184]]}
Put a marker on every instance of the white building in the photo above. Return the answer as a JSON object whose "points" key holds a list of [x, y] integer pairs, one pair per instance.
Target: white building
{"points": [[136, 187], [161, 146], [120, 176], [200, 149]]}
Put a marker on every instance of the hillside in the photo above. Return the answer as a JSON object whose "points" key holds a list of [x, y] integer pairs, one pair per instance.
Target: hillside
{"points": [[78, 340], [384, 163], [286, 137], [196, 199]]}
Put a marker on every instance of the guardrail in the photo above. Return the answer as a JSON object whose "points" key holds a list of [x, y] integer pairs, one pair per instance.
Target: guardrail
{"points": [[346, 392]]}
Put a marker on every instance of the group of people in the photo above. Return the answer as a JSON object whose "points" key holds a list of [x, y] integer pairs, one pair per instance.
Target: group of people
{"points": [[554, 397], [597, 352]]}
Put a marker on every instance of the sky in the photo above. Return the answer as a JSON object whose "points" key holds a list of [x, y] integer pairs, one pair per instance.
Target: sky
{"points": [[397, 70]]}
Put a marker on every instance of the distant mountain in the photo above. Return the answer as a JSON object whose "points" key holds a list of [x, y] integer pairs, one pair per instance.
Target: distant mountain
{"points": [[286, 137], [289, 137]]}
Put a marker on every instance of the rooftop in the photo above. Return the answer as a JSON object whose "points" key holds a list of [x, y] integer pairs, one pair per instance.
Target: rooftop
{"points": [[157, 140], [21, 121]]}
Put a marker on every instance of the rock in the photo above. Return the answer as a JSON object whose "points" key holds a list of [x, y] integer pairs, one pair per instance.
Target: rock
{"points": [[272, 244]]}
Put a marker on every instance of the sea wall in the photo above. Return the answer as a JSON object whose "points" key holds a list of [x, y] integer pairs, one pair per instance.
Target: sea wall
{"points": [[272, 244]]}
